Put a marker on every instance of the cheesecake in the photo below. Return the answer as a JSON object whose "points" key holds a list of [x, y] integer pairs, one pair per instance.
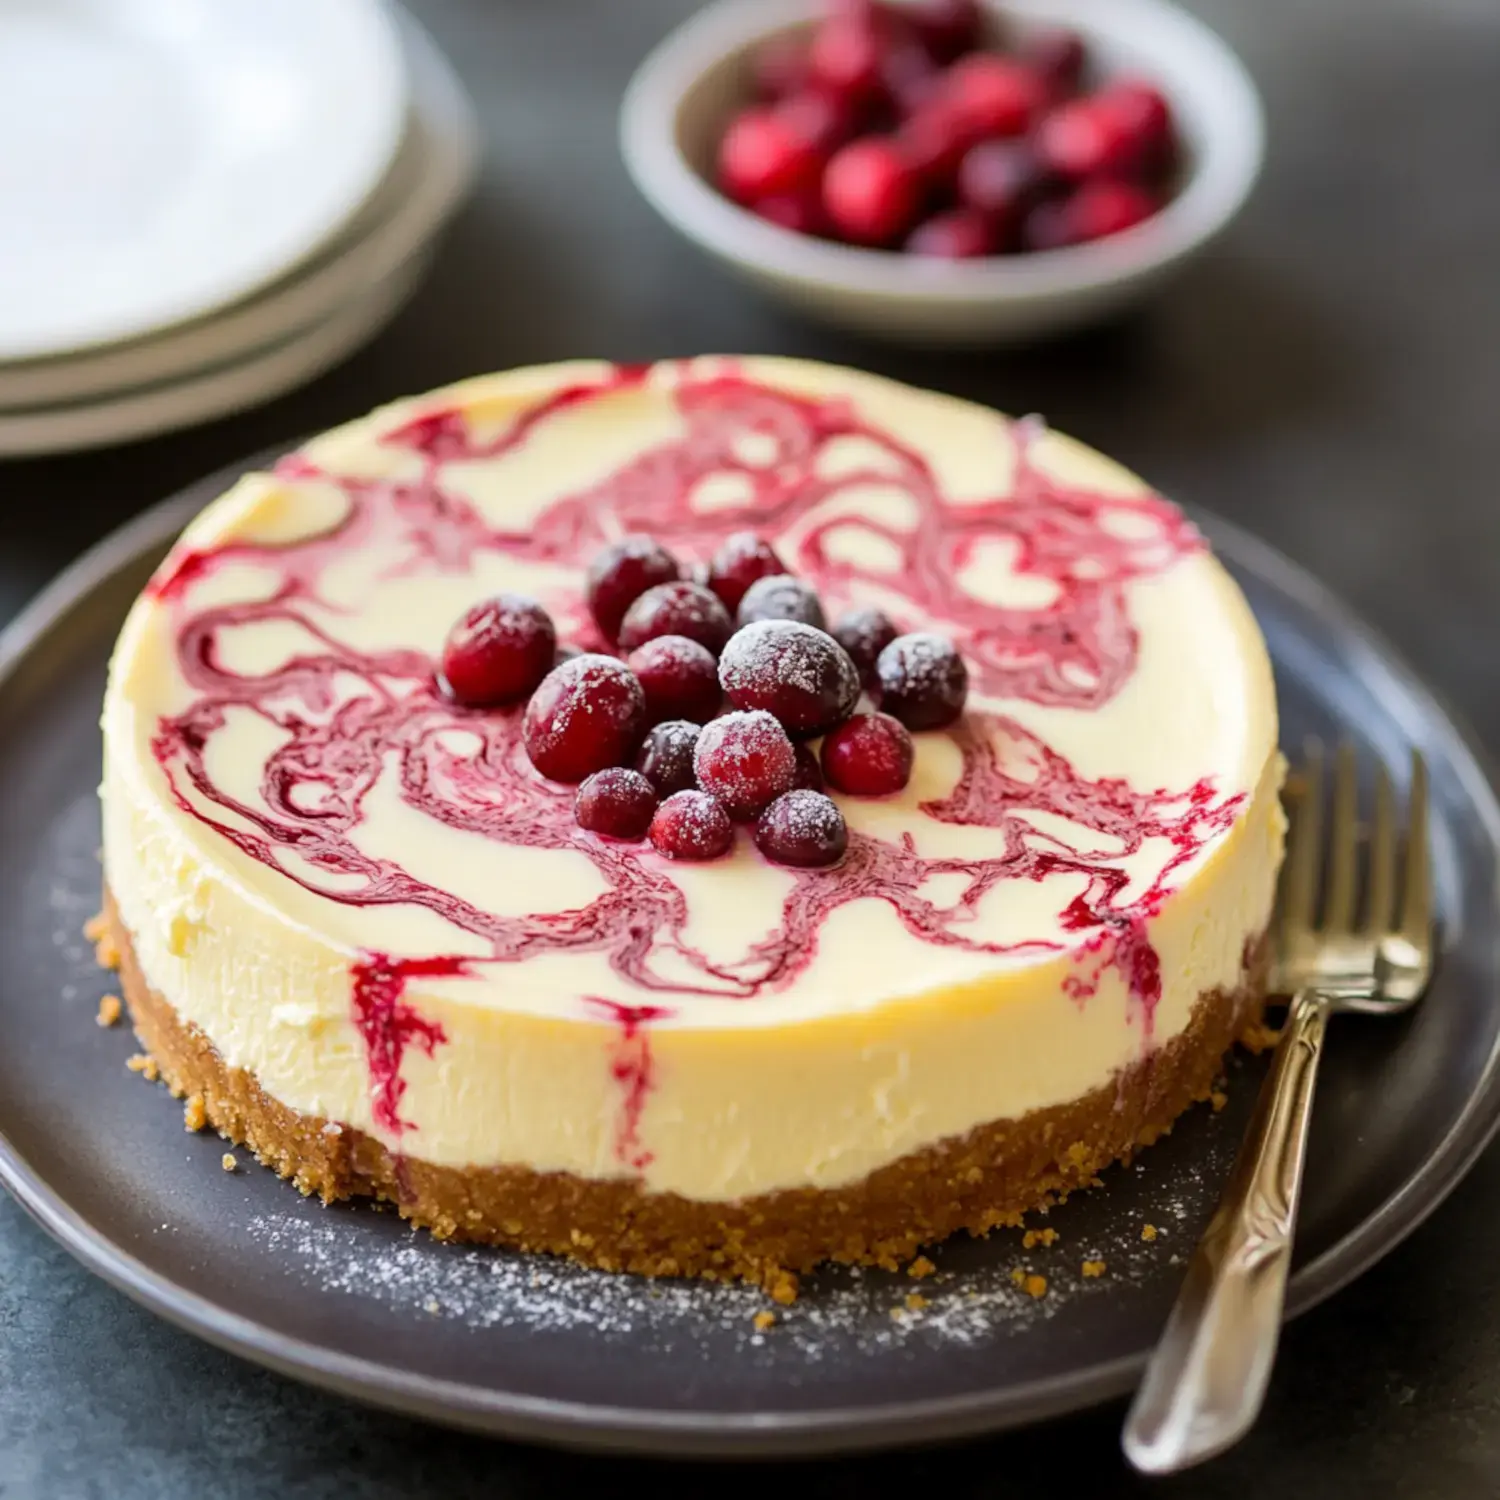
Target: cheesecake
{"points": [[395, 959]]}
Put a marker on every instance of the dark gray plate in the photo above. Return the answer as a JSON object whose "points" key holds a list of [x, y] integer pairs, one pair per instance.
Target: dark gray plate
{"points": [[351, 1299]]}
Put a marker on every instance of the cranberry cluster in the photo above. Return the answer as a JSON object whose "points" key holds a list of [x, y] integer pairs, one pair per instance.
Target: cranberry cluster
{"points": [[657, 752], [896, 126]]}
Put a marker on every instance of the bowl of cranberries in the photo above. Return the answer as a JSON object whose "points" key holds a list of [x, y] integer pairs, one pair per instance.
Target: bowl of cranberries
{"points": [[946, 171]]}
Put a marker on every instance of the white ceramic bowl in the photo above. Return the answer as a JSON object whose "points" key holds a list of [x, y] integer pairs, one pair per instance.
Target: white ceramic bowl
{"points": [[683, 95]]}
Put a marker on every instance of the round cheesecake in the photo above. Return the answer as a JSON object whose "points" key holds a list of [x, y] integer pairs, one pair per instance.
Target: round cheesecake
{"points": [[356, 921]]}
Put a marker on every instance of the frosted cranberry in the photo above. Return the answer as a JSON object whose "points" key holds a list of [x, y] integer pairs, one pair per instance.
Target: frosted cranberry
{"points": [[959, 234], [615, 802], [780, 67], [825, 121], [948, 28], [864, 634], [794, 671], [845, 56], [680, 608], [781, 596], [1086, 138], [762, 153], [933, 140], [1001, 179], [587, 714], [745, 760], [998, 96], [691, 825], [679, 677], [809, 774], [923, 681], [869, 755], [1096, 209], [621, 573], [870, 193], [803, 829], [499, 651], [801, 212], [742, 558], [665, 758], [1056, 55]]}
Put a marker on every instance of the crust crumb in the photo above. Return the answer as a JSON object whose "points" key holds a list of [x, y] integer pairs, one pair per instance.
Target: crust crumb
{"points": [[1218, 1099], [920, 1267], [782, 1288], [109, 1011], [1018, 1276], [764, 1320], [1149, 1232], [1258, 1037], [1034, 1237], [194, 1114], [229, 1161], [1034, 1286], [96, 926], [145, 1066], [915, 1302], [1093, 1268]]}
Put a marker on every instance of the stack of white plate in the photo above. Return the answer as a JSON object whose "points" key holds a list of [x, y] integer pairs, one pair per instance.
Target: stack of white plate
{"points": [[205, 202]]}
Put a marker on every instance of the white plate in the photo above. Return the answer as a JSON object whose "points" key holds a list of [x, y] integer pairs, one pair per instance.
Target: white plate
{"points": [[159, 158], [67, 429], [431, 173]]}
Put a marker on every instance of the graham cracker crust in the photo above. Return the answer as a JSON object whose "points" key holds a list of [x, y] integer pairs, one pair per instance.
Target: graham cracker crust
{"points": [[990, 1177]]}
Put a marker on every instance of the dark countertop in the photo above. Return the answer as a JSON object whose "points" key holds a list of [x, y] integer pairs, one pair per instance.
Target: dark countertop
{"points": [[1330, 378]]}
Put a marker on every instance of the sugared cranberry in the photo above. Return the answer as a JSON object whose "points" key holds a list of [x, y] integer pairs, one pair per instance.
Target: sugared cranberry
{"points": [[845, 55], [803, 829], [809, 774], [691, 825], [745, 760], [780, 67], [1091, 212], [616, 802], [665, 758], [923, 681], [763, 153], [948, 28], [1087, 138], [933, 140], [870, 192], [499, 651], [679, 677], [864, 634], [998, 96], [958, 234], [801, 212], [1001, 179], [780, 596], [742, 558], [620, 573], [1056, 55], [869, 755], [794, 671], [680, 608], [587, 714]]}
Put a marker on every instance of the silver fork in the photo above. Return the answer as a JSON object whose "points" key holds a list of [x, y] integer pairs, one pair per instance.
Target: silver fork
{"points": [[1208, 1375]]}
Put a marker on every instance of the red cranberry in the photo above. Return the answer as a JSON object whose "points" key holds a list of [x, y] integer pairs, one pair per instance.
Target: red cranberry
{"points": [[869, 755], [665, 758], [587, 714], [1087, 138], [923, 681], [679, 677], [691, 825], [763, 153], [825, 121], [933, 140], [1143, 112], [864, 634], [1001, 179], [746, 761], [1094, 210], [996, 95], [959, 234], [801, 212], [908, 76], [794, 671], [948, 28], [1056, 55], [742, 558], [615, 802], [679, 608], [780, 67], [499, 651], [845, 56], [870, 193], [809, 774], [803, 829], [781, 597], [621, 573]]}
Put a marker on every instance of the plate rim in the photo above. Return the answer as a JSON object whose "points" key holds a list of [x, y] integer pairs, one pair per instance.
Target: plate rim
{"points": [[784, 1432]]}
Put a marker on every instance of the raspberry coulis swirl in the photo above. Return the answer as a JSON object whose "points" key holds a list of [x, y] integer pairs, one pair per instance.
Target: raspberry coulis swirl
{"points": [[469, 771]]}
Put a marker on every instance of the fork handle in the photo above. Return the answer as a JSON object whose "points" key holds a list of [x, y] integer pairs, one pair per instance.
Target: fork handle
{"points": [[1208, 1375]]}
